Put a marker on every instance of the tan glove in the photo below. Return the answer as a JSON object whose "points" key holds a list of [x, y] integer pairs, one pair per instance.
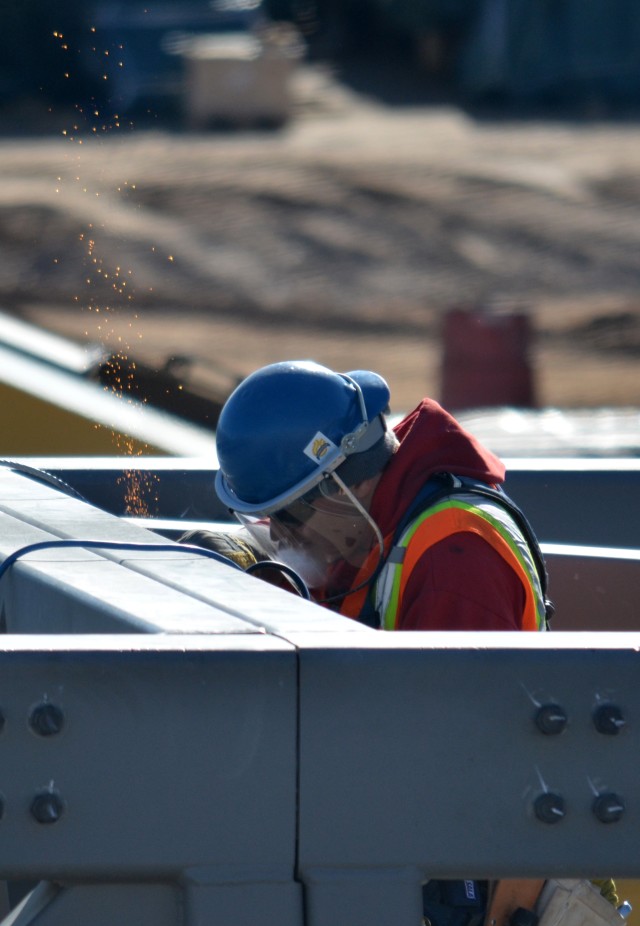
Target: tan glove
{"points": [[230, 545], [237, 548]]}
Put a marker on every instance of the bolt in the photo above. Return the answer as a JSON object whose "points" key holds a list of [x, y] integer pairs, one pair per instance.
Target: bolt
{"points": [[46, 719], [608, 808], [2, 721], [47, 807], [1, 808], [551, 719], [549, 807], [608, 719]]}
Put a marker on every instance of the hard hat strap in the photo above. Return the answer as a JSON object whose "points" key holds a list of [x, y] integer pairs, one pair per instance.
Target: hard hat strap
{"points": [[349, 442], [375, 568]]}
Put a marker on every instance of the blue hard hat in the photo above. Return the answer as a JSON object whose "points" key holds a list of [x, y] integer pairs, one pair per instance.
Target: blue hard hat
{"points": [[289, 424]]}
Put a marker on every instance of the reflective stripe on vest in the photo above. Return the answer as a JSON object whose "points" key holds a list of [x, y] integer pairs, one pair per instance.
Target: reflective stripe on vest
{"points": [[462, 513]]}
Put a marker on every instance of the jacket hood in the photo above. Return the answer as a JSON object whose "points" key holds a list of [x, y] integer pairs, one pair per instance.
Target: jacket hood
{"points": [[431, 441]]}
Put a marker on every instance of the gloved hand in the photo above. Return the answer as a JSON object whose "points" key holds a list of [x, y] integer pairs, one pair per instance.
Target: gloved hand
{"points": [[237, 547], [233, 546], [607, 888]]}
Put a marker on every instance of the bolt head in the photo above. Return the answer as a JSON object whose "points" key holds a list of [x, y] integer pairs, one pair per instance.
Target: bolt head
{"points": [[47, 807], [608, 719], [549, 807], [46, 719], [608, 808], [551, 719]]}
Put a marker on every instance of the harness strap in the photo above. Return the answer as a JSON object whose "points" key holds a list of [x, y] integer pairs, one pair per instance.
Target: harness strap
{"points": [[359, 605]]}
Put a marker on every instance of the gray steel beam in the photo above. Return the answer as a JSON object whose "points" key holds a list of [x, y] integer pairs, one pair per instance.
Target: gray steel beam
{"points": [[244, 770], [580, 501], [431, 752], [260, 758], [152, 760], [83, 591], [52, 904], [594, 588]]}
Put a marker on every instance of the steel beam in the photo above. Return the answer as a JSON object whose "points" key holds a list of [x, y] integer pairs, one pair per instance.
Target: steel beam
{"points": [[251, 756], [577, 501]]}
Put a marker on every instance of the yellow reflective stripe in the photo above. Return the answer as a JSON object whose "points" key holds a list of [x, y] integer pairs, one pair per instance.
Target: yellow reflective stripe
{"points": [[454, 516], [533, 616], [526, 562], [390, 612]]}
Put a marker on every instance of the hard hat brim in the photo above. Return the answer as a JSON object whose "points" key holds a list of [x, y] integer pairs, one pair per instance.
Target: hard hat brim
{"points": [[374, 398]]}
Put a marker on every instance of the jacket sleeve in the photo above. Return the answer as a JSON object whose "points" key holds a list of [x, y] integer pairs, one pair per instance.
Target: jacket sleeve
{"points": [[462, 583]]}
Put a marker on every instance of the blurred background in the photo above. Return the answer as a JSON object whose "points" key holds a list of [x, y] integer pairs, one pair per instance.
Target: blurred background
{"points": [[445, 191]]}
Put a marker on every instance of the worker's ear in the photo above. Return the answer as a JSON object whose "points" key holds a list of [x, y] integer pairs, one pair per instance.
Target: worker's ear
{"points": [[364, 490]]}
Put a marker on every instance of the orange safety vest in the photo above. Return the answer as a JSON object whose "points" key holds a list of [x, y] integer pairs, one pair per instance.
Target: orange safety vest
{"points": [[464, 512]]}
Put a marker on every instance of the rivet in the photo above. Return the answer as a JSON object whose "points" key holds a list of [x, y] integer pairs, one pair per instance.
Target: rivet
{"points": [[608, 807], [551, 719], [46, 719], [549, 807], [608, 719], [47, 807]]}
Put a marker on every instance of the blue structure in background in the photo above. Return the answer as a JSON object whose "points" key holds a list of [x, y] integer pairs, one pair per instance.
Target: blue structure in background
{"points": [[553, 49], [520, 50], [529, 49], [135, 46]]}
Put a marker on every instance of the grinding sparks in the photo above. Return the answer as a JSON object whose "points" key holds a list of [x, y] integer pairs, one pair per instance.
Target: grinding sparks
{"points": [[110, 287]]}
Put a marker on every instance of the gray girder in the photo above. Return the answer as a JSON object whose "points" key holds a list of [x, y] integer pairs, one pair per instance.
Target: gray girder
{"points": [[183, 744]]}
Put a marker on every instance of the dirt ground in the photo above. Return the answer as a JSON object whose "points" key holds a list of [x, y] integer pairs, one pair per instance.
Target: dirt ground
{"points": [[346, 237]]}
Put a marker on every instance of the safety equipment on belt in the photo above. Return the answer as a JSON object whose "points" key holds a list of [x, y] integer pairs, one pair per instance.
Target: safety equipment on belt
{"points": [[454, 903], [522, 902], [578, 903], [290, 424]]}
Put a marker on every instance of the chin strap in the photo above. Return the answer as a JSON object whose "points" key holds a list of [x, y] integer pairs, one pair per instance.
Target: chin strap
{"points": [[371, 569]]}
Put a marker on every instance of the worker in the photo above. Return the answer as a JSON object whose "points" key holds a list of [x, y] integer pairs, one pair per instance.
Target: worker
{"points": [[402, 528]]}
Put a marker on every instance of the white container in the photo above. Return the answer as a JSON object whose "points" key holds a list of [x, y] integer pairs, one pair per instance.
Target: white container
{"points": [[238, 79]]}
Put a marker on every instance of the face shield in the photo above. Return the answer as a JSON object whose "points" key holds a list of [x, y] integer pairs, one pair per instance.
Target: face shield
{"points": [[326, 536]]}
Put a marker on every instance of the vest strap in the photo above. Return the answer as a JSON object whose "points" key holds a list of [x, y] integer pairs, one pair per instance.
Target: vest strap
{"points": [[453, 519]]}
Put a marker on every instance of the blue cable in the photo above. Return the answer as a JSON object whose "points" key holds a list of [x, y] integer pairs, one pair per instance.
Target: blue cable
{"points": [[45, 477], [150, 547], [113, 545], [266, 564]]}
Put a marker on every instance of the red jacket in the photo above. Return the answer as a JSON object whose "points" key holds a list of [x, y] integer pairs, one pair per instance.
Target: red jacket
{"points": [[459, 583]]}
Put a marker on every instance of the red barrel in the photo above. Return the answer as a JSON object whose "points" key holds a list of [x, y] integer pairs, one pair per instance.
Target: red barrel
{"points": [[486, 360]]}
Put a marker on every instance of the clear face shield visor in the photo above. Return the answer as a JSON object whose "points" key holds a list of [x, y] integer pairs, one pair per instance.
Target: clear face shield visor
{"points": [[326, 536]]}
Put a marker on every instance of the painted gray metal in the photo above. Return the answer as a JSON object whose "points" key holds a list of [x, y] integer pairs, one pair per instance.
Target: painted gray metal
{"points": [[593, 588], [578, 501], [435, 742], [248, 771], [108, 591], [187, 745], [171, 764], [568, 500]]}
